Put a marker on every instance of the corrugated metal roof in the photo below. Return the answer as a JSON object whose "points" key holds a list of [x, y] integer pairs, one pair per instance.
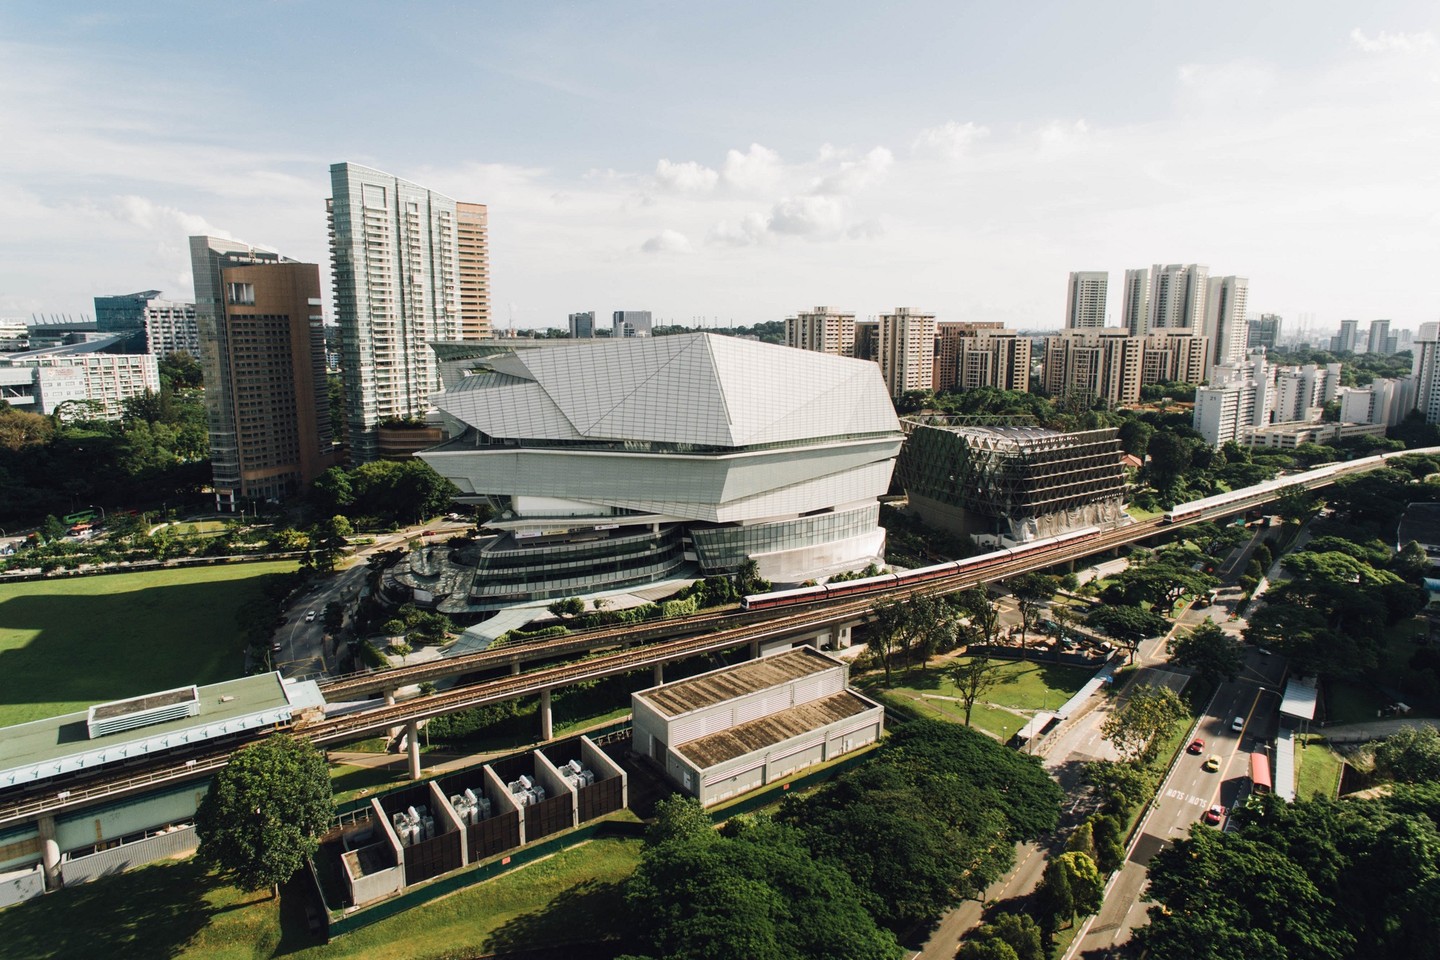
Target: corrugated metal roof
{"points": [[708, 689], [757, 735]]}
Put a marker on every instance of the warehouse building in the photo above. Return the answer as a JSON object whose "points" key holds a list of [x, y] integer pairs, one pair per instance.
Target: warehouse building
{"points": [[739, 728]]}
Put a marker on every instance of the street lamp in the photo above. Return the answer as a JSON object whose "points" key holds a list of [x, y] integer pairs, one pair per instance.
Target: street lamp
{"points": [[101, 509]]}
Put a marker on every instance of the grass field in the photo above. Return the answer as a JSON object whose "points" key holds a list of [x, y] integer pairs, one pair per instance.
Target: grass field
{"points": [[176, 910], [1026, 686], [1317, 768], [66, 644]]}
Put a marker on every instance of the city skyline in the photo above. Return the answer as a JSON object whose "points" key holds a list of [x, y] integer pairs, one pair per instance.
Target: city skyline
{"points": [[619, 170]]}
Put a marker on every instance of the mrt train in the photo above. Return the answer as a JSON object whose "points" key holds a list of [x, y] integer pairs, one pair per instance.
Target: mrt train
{"points": [[1238, 499], [940, 571]]}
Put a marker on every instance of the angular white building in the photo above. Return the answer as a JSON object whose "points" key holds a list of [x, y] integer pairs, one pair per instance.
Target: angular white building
{"points": [[618, 462]]}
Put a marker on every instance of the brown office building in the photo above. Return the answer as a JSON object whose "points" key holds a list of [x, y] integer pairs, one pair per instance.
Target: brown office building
{"points": [[262, 345]]}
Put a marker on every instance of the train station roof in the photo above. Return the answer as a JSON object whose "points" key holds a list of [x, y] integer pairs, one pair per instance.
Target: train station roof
{"points": [[36, 751]]}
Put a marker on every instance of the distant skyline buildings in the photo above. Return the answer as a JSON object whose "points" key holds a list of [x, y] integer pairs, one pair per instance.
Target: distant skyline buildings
{"points": [[824, 330], [582, 325], [907, 350], [405, 274], [162, 326], [630, 323]]}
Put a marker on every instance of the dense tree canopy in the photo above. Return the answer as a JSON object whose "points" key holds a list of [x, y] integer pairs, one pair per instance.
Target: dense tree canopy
{"points": [[383, 491], [264, 812], [1319, 880], [1209, 651]]}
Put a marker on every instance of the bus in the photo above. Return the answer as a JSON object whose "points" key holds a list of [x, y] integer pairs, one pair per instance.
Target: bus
{"points": [[84, 516], [1260, 774]]}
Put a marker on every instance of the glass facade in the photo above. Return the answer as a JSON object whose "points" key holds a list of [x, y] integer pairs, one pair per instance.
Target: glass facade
{"points": [[724, 549]]}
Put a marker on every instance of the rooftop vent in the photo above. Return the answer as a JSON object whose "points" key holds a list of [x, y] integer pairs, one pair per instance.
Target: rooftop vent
{"points": [[118, 715]]}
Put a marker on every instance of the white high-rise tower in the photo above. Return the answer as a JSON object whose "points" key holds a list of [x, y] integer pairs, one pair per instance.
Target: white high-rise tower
{"points": [[399, 276], [1085, 300], [1225, 322]]}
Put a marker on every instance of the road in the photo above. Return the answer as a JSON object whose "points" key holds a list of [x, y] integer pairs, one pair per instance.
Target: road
{"points": [[1188, 790], [302, 651]]}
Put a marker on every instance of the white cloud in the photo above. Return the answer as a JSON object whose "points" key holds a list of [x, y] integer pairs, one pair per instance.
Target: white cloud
{"points": [[855, 175], [1386, 42], [1059, 140], [687, 177], [952, 140], [667, 241], [757, 170], [809, 216], [751, 229]]}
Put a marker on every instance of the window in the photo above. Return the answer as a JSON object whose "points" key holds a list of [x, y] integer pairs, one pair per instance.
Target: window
{"points": [[242, 293]]}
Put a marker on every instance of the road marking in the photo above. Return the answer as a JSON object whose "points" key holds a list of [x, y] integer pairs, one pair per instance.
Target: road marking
{"points": [[1190, 798]]}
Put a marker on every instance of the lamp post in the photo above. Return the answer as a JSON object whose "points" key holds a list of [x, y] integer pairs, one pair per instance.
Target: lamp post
{"points": [[101, 509]]}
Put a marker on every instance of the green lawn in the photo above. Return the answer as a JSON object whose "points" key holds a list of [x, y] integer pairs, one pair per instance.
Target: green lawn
{"points": [[176, 910], [1317, 768], [68, 643], [1026, 686]]}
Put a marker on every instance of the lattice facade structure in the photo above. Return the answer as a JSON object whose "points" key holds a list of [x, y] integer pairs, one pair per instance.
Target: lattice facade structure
{"points": [[1011, 484]]}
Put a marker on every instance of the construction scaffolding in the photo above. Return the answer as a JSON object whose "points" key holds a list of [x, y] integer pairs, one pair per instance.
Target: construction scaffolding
{"points": [[1008, 482]]}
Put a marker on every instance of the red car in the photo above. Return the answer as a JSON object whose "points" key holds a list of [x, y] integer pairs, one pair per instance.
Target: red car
{"points": [[1214, 815], [1196, 746]]}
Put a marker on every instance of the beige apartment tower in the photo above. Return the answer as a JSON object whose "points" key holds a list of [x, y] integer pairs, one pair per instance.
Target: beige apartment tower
{"points": [[971, 355], [824, 330], [907, 350], [1105, 364], [472, 234]]}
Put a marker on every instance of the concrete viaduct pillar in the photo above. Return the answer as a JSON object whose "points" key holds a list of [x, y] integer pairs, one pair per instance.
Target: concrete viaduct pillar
{"points": [[412, 739], [659, 674], [50, 853], [547, 719]]}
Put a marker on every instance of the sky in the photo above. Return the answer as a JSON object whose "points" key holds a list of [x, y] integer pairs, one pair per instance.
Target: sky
{"points": [[738, 163]]}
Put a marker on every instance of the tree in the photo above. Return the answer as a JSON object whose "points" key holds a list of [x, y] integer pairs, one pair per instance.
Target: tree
{"points": [[1127, 625], [982, 613], [892, 624], [1209, 651], [1160, 581], [1121, 786], [1410, 755], [1032, 591], [974, 676], [1053, 898], [52, 529], [1170, 455], [264, 812], [1010, 936], [567, 608], [1135, 437], [1140, 724], [1087, 886]]}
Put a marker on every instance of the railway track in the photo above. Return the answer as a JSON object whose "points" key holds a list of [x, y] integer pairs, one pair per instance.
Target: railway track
{"points": [[702, 638]]}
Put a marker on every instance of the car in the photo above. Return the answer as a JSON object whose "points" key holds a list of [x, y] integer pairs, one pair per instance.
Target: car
{"points": [[309, 616], [1212, 763], [1262, 651], [1238, 724], [1214, 815], [275, 647], [1197, 746]]}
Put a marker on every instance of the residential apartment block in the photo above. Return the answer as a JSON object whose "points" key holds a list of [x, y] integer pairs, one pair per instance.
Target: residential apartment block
{"points": [[1165, 297], [1225, 323], [82, 373], [1264, 332], [1385, 402], [409, 268], [1346, 339], [1425, 368], [970, 355], [907, 350], [263, 352], [824, 330], [1105, 364], [1085, 300]]}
